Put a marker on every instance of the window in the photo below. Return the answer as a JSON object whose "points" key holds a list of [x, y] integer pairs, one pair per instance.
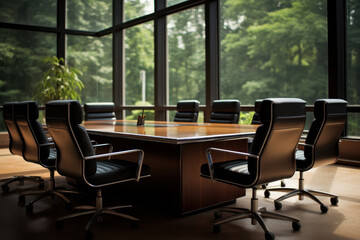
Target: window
{"points": [[173, 2], [137, 8], [139, 65], [93, 57], [35, 12], [353, 64], [273, 49], [21, 60], [186, 55], [89, 15]]}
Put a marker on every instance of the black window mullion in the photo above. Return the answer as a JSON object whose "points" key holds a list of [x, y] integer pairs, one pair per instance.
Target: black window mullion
{"points": [[118, 56], [61, 23], [337, 48], [212, 55], [160, 62]]}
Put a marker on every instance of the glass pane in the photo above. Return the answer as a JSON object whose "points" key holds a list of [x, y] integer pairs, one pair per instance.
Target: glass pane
{"points": [[137, 8], [246, 117], [22, 66], [93, 57], [21, 60], [353, 64], [37, 12], [186, 53], [89, 15], [173, 2], [353, 124], [133, 114], [139, 65], [273, 49]]}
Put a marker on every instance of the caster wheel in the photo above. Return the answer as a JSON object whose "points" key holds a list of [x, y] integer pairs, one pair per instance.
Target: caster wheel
{"points": [[217, 228], [88, 235], [59, 224], [264, 186], [29, 208], [269, 236], [334, 200], [68, 206], [41, 185], [21, 199], [267, 193], [283, 184], [324, 208], [296, 226], [277, 205], [135, 224], [217, 214], [5, 188]]}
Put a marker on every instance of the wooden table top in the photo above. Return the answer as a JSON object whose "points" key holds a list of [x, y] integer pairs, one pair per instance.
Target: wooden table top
{"points": [[170, 132]]}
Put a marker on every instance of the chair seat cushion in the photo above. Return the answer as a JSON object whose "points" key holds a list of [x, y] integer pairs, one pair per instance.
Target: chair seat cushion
{"points": [[301, 162], [115, 170], [233, 172], [50, 161]]}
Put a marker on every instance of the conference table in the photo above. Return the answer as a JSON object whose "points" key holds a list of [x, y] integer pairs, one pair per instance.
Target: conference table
{"points": [[175, 151]]}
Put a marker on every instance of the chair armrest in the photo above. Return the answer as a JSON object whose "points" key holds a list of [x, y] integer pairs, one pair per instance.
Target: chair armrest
{"points": [[306, 145], [109, 155], [103, 148], [210, 160], [50, 144]]}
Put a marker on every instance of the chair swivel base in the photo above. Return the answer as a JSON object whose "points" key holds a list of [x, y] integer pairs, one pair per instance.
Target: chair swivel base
{"points": [[5, 186], [256, 216], [301, 192], [47, 193], [51, 192], [97, 212]]}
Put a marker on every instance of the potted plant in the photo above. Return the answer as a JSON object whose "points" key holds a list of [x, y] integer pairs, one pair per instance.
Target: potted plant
{"points": [[60, 82]]}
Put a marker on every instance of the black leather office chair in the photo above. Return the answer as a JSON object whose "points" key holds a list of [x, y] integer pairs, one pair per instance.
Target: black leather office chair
{"points": [[187, 111], [77, 160], [15, 147], [271, 157], [256, 116], [37, 149], [225, 111], [321, 148], [256, 120], [99, 111]]}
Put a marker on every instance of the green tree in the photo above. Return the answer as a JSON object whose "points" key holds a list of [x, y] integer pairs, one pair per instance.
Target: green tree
{"points": [[186, 41], [274, 49]]}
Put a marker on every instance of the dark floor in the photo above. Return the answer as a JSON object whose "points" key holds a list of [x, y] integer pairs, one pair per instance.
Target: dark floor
{"points": [[341, 222]]}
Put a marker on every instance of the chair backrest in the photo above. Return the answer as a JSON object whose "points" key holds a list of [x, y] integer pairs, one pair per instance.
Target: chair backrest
{"points": [[187, 111], [63, 119], [26, 116], [256, 116], [325, 131], [275, 141], [15, 138], [225, 111], [99, 111]]}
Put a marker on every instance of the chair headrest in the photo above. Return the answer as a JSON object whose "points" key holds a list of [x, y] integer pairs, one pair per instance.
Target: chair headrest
{"points": [[33, 108], [188, 106], [272, 108], [99, 107], [328, 107], [257, 105], [226, 106], [73, 106], [8, 110]]}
